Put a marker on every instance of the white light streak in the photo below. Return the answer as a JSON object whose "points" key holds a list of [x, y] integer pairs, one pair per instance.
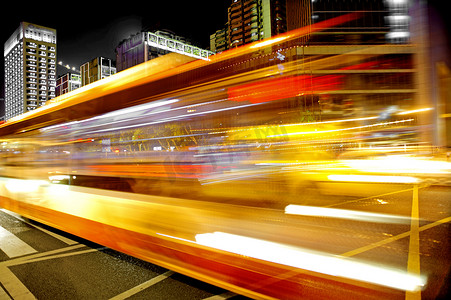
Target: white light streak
{"points": [[269, 42], [341, 129], [323, 263], [135, 109], [374, 178], [24, 186], [314, 211], [400, 165], [407, 112], [173, 118]]}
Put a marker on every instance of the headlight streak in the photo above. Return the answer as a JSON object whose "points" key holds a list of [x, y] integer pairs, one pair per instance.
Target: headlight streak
{"points": [[174, 237], [169, 119], [269, 42], [314, 211], [21, 186], [314, 261], [341, 129], [85, 123], [396, 164], [414, 111], [135, 109], [374, 179], [301, 124]]}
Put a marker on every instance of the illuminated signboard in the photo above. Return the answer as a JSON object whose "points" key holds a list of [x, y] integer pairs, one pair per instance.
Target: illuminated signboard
{"points": [[164, 43], [75, 77]]}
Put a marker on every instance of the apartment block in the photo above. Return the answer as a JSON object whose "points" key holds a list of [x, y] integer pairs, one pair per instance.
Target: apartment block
{"points": [[30, 68]]}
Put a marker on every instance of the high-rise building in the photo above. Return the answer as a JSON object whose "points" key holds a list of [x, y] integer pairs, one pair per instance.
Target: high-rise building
{"points": [[30, 68], [253, 20], [96, 69], [67, 82]]}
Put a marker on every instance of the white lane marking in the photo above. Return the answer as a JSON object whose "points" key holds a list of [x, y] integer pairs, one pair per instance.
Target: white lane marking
{"points": [[413, 261], [12, 245], [14, 286], [142, 286], [223, 296], [55, 235], [27, 261], [21, 260]]}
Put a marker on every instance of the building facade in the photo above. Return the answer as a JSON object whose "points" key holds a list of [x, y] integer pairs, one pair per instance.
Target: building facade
{"points": [[67, 82], [381, 22], [96, 69], [219, 40], [30, 68], [254, 20], [145, 46]]}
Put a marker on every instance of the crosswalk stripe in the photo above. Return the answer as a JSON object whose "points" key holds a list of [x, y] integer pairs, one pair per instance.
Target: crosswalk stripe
{"points": [[12, 245], [4, 295], [16, 289]]}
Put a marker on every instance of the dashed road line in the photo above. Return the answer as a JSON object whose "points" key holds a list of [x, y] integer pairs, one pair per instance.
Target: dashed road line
{"points": [[143, 286], [413, 261], [12, 245]]}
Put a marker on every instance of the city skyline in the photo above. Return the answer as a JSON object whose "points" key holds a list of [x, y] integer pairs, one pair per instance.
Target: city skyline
{"points": [[102, 28], [84, 33]]}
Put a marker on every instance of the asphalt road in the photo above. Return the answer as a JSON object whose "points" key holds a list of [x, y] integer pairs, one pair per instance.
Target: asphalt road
{"points": [[46, 264], [40, 262]]}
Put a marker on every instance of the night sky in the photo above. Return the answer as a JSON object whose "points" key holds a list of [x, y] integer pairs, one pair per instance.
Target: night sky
{"points": [[89, 29], [94, 28]]}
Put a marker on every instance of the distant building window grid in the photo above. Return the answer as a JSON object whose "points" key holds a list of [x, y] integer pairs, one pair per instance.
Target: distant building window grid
{"points": [[30, 69], [93, 70]]}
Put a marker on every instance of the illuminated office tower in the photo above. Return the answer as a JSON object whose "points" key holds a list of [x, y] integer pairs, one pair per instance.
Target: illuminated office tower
{"points": [[96, 69], [30, 68], [253, 20]]}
